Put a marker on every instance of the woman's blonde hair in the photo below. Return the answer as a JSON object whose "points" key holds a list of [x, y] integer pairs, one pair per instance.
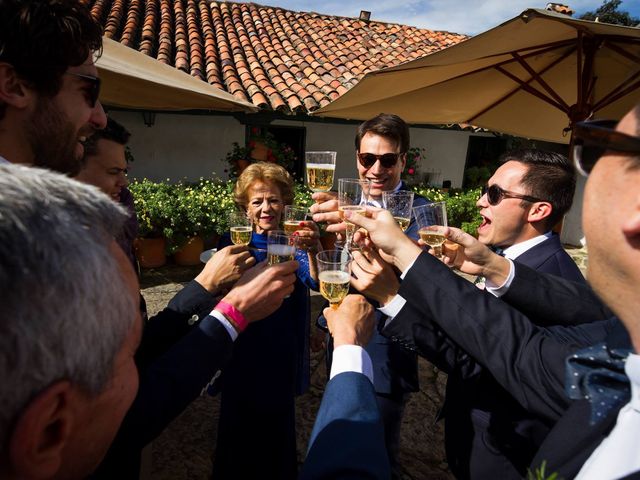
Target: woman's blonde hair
{"points": [[263, 172]]}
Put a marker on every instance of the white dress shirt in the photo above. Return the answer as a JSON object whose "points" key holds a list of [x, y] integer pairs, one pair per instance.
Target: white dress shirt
{"points": [[392, 308], [378, 202], [351, 358], [619, 454]]}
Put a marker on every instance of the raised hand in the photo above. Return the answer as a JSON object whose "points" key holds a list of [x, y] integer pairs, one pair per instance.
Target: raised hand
{"points": [[326, 210], [260, 290], [372, 276], [473, 257], [386, 235], [308, 237], [352, 322], [225, 267]]}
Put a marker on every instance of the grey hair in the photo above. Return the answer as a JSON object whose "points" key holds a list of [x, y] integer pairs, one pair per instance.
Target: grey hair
{"points": [[65, 312]]}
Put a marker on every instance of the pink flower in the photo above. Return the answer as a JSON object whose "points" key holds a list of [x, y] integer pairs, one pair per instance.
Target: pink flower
{"points": [[411, 171]]}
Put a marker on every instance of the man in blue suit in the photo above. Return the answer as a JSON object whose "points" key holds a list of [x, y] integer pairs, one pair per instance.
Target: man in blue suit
{"points": [[347, 440], [381, 145], [487, 434]]}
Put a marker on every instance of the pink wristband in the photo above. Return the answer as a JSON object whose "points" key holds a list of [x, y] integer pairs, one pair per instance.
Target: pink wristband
{"points": [[234, 314]]}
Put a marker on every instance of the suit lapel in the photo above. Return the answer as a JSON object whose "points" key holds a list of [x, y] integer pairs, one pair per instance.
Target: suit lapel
{"points": [[536, 256]]}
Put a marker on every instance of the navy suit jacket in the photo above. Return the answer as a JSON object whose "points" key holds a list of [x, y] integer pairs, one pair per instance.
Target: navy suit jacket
{"points": [[525, 359], [181, 350], [487, 433], [347, 441]]}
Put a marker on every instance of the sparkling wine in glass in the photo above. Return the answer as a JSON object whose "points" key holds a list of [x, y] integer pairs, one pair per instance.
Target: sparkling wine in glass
{"points": [[432, 222], [321, 167], [280, 247], [292, 217], [334, 273], [399, 203], [353, 196], [241, 228]]}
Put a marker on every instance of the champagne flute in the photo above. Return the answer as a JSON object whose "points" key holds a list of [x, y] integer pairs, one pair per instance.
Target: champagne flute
{"points": [[292, 217], [399, 203], [432, 222], [320, 167], [334, 273], [280, 247], [353, 195], [241, 228]]}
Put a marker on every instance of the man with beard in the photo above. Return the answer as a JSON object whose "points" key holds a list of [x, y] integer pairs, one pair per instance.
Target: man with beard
{"points": [[49, 84], [48, 106]]}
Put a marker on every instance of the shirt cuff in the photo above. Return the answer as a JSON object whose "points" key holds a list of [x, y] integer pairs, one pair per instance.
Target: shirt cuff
{"points": [[351, 358], [392, 308], [233, 333], [499, 290], [406, 270]]}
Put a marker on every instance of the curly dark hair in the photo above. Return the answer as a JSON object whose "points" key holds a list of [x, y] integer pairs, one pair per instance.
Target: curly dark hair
{"points": [[41, 39]]}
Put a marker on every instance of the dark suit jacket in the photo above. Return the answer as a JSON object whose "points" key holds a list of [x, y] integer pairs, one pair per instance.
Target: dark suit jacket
{"points": [[182, 349], [572, 440], [487, 433], [525, 359], [347, 441]]}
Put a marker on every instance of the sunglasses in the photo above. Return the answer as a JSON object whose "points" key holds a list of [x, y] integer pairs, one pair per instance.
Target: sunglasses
{"points": [[591, 139], [94, 91], [495, 194], [387, 160]]}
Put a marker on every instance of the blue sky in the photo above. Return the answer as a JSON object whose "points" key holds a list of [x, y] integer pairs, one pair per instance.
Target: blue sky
{"points": [[460, 16]]}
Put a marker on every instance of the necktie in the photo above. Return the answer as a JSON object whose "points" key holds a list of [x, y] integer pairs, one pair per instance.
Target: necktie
{"points": [[597, 374]]}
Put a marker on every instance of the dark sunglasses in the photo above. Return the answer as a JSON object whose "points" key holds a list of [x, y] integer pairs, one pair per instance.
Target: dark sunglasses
{"points": [[591, 139], [387, 160], [94, 91], [495, 194]]}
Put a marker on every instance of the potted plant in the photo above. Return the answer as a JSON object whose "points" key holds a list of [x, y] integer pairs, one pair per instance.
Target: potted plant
{"points": [[151, 201], [200, 210], [261, 147], [414, 157]]}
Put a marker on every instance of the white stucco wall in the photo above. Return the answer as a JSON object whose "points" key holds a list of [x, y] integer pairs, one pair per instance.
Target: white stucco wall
{"points": [[180, 146], [194, 146]]}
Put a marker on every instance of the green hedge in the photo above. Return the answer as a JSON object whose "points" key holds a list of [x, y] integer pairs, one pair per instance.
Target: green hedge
{"points": [[183, 209]]}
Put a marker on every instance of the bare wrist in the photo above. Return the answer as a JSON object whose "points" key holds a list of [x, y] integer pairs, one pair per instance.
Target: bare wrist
{"points": [[496, 270]]}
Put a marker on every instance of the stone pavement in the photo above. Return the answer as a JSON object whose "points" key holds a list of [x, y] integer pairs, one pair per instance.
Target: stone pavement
{"points": [[185, 449]]}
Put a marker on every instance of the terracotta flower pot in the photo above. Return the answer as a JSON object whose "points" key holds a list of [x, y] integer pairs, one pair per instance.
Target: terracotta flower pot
{"points": [[150, 252], [190, 252]]}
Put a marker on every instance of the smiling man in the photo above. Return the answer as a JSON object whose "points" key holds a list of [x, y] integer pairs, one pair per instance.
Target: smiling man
{"points": [[381, 145], [48, 88]]}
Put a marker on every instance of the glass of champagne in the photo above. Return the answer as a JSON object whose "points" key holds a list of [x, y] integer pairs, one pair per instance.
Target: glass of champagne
{"points": [[432, 222], [353, 196], [280, 247], [292, 217], [321, 167], [334, 273], [399, 204], [241, 227]]}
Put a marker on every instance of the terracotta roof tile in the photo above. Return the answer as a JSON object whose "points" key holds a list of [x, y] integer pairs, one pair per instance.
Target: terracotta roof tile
{"points": [[278, 59]]}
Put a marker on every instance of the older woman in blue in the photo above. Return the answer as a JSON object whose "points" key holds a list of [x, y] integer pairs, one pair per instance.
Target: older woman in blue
{"points": [[270, 362]]}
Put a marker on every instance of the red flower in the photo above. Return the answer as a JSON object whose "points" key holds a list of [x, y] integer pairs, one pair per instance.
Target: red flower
{"points": [[411, 171], [255, 131]]}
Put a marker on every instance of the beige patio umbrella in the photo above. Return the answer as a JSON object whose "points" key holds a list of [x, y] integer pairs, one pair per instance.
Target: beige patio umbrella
{"points": [[131, 79], [530, 76]]}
